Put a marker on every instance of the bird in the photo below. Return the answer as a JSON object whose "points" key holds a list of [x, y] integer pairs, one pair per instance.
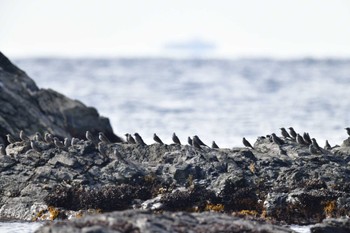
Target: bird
{"points": [[313, 150], [214, 145], [307, 138], [66, 142], [189, 141], [176, 140], [315, 144], [22, 136], [276, 139], [118, 155], [247, 144], [10, 139], [74, 141], [196, 138], [34, 146], [48, 138], [300, 140], [102, 149], [139, 139], [327, 146], [38, 137], [196, 144], [2, 150], [157, 139], [130, 139], [292, 132], [89, 136], [58, 143], [282, 151], [103, 138], [284, 133], [348, 130]]}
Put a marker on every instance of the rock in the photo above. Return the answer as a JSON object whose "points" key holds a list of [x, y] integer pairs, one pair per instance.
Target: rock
{"points": [[331, 225], [26, 107], [146, 221]]}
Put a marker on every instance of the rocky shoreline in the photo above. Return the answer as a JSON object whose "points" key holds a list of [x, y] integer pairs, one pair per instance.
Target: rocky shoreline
{"points": [[157, 187]]}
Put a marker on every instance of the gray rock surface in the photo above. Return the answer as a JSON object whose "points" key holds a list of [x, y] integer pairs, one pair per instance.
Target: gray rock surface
{"points": [[26, 107], [146, 221], [340, 225]]}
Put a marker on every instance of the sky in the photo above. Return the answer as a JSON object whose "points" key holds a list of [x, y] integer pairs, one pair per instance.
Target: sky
{"points": [[150, 28]]}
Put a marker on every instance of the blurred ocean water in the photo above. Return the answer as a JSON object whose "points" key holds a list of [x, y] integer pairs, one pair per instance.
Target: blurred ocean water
{"points": [[221, 100]]}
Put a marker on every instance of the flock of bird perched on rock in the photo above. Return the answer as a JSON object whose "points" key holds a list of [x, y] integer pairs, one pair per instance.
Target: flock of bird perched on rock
{"points": [[195, 141]]}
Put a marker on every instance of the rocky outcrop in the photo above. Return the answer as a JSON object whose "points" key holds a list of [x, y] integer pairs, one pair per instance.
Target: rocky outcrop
{"points": [[26, 107], [295, 186], [340, 225], [146, 221]]}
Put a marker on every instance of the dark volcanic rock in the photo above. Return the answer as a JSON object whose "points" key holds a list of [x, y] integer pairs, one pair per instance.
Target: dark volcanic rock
{"points": [[145, 221], [26, 107], [341, 225]]}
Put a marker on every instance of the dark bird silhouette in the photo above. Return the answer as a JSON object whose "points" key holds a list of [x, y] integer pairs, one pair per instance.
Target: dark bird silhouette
{"points": [[196, 138], [38, 137], [300, 140], [157, 139], [130, 139], [189, 141], [196, 144], [102, 137], [66, 142], [48, 138], [74, 141], [58, 143], [214, 145], [313, 150], [276, 139], [348, 130], [22, 136], [246, 143], [327, 146], [315, 144], [34, 145], [284, 133], [292, 132], [139, 139], [89, 136], [307, 138], [10, 139], [176, 140]]}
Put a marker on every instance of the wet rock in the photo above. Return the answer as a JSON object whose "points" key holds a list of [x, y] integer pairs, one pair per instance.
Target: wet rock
{"points": [[145, 221], [340, 225]]}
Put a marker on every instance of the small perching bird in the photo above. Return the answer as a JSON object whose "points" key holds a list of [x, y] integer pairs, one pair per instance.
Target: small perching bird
{"points": [[139, 139], [48, 138], [292, 132], [102, 137], [89, 136], [157, 139], [189, 141], [10, 139], [276, 139], [22, 136], [214, 145], [175, 139], [348, 130], [247, 144], [130, 139], [327, 146], [284, 133], [198, 140], [58, 143]]}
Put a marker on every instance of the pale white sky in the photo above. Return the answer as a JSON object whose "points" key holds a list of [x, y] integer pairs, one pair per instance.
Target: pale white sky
{"points": [[231, 28]]}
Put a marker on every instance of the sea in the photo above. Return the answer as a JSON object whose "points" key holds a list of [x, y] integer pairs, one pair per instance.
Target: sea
{"points": [[219, 100]]}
